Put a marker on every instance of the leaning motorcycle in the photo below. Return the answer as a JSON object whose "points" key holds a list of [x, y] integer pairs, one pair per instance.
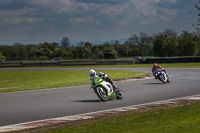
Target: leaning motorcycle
{"points": [[105, 91], [161, 75]]}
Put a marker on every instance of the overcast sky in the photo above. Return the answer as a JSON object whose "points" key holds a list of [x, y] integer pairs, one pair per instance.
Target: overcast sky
{"points": [[33, 21]]}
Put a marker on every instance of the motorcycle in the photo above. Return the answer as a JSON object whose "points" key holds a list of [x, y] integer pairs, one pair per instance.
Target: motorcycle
{"points": [[161, 75], [105, 90]]}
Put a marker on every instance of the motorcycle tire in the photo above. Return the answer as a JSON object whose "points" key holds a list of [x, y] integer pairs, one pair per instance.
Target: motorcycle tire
{"points": [[168, 80], [119, 94], [101, 93], [163, 80]]}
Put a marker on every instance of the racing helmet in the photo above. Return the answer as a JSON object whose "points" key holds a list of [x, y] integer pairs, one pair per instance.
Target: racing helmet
{"points": [[92, 73], [155, 65]]}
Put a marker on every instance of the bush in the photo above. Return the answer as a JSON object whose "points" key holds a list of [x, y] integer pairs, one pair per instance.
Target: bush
{"points": [[2, 57]]}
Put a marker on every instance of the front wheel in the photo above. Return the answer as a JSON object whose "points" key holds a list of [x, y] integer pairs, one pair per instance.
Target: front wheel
{"points": [[168, 80], [101, 93], [162, 79], [119, 94]]}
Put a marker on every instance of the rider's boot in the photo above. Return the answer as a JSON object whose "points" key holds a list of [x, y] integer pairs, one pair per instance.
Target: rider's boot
{"points": [[114, 87]]}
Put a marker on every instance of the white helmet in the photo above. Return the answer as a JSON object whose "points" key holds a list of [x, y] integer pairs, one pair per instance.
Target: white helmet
{"points": [[92, 73]]}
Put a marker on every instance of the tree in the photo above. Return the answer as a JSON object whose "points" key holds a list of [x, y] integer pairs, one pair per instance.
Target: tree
{"points": [[65, 42], [198, 19], [17, 43], [196, 37], [118, 48], [49, 51], [198, 25], [80, 52], [22, 52], [143, 42], [95, 52], [187, 44], [31, 52], [164, 45], [2, 57], [80, 44], [170, 33], [67, 55], [87, 44]]}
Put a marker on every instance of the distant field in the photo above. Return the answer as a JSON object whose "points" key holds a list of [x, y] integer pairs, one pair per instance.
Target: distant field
{"points": [[166, 65], [169, 65], [11, 81]]}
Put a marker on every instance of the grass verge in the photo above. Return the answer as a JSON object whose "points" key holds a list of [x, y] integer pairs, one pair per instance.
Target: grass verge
{"points": [[11, 81], [179, 119], [165, 65]]}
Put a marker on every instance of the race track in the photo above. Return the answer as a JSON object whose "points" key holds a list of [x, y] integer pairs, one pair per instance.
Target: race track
{"points": [[28, 106]]}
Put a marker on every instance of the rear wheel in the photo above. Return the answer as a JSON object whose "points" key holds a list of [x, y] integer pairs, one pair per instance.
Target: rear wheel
{"points": [[101, 93]]}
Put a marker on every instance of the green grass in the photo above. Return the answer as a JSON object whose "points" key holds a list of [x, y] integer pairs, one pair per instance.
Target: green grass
{"points": [[166, 65], [173, 120], [11, 81]]}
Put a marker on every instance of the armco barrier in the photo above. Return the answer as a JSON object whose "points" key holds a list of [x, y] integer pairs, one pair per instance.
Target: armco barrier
{"points": [[96, 62], [78, 62], [183, 59], [115, 61], [187, 59], [65, 63], [40, 63], [11, 64]]}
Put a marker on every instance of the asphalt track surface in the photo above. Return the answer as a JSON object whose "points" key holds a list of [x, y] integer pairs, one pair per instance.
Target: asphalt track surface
{"points": [[20, 107]]}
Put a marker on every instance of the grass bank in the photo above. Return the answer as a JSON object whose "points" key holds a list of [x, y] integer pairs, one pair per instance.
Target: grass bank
{"points": [[11, 81], [179, 119], [166, 65]]}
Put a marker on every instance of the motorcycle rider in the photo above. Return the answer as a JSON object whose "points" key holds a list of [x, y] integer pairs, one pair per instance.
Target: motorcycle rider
{"points": [[155, 66], [93, 74]]}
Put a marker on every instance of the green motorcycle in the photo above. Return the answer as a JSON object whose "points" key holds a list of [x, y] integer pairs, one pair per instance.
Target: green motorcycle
{"points": [[105, 90]]}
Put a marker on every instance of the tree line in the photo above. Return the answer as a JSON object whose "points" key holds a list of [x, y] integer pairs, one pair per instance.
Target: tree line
{"points": [[164, 44]]}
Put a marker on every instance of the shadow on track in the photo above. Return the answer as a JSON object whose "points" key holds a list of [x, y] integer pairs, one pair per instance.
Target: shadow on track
{"points": [[91, 101], [153, 83], [87, 101]]}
